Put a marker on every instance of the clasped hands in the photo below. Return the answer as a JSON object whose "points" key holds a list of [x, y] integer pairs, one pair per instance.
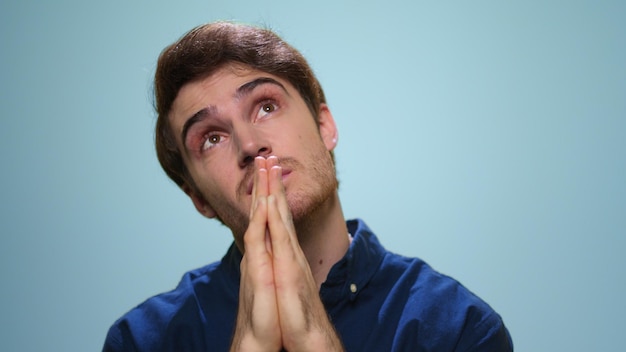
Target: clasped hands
{"points": [[279, 303]]}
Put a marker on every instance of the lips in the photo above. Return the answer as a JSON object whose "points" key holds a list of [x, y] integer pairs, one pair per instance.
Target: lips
{"points": [[286, 172]]}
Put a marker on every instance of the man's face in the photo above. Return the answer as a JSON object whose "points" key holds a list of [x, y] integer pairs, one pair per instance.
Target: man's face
{"points": [[224, 121]]}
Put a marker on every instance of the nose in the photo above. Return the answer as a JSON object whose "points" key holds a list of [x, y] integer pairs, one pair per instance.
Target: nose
{"points": [[251, 143]]}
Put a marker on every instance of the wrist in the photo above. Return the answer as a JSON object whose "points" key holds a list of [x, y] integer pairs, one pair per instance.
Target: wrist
{"points": [[250, 344], [325, 340]]}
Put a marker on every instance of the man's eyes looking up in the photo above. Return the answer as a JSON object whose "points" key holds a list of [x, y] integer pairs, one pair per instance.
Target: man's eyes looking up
{"points": [[213, 138]]}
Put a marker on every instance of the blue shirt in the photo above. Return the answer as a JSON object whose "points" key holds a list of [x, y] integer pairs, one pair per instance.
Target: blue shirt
{"points": [[377, 300]]}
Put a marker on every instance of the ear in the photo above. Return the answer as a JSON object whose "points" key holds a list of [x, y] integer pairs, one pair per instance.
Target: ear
{"points": [[198, 201], [328, 129]]}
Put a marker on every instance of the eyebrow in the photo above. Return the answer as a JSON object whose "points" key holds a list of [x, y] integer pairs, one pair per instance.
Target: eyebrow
{"points": [[241, 92], [247, 88], [197, 117]]}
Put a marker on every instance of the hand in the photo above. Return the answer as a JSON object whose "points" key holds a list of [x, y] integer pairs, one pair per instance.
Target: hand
{"points": [[257, 326], [279, 300]]}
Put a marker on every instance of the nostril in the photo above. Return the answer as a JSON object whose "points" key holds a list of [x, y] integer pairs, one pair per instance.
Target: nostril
{"points": [[250, 151], [248, 159]]}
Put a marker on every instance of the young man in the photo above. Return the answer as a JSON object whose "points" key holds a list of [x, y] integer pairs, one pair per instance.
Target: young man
{"points": [[243, 128]]}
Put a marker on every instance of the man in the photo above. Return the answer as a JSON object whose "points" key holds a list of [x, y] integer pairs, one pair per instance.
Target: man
{"points": [[244, 130]]}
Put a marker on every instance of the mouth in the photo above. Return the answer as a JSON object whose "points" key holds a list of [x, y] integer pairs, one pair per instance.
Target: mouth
{"points": [[286, 173], [250, 186]]}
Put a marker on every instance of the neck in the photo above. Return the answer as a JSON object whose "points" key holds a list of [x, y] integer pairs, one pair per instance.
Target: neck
{"points": [[323, 237]]}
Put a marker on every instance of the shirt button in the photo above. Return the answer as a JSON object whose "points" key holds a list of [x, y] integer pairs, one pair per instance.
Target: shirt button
{"points": [[353, 288]]}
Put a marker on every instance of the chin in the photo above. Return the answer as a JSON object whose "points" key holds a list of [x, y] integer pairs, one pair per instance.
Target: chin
{"points": [[306, 206]]}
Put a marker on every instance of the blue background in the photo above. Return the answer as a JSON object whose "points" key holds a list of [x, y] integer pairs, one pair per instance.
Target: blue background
{"points": [[486, 137]]}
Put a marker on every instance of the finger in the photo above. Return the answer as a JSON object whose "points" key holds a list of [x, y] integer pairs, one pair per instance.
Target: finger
{"points": [[271, 161], [260, 185], [260, 182], [259, 189], [275, 181], [277, 189], [254, 238], [282, 249]]}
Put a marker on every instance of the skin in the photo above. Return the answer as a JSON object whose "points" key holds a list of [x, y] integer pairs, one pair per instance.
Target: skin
{"points": [[262, 165]]}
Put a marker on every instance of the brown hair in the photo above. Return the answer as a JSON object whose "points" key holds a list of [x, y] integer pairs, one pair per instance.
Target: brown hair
{"points": [[201, 52]]}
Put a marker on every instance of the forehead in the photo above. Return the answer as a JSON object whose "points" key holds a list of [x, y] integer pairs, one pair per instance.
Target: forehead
{"points": [[215, 89]]}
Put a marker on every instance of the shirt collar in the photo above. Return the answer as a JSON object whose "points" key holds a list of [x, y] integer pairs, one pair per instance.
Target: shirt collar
{"points": [[353, 272], [348, 277]]}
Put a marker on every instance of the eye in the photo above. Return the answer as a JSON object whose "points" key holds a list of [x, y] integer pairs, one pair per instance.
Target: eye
{"points": [[211, 140], [266, 109]]}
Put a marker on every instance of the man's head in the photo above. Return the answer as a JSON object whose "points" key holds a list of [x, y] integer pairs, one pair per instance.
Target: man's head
{"points": [[204, 50], [226, 93]]}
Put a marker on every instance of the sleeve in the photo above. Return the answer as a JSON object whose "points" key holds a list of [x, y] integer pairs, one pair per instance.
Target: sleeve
{"points": [[118, 340], [485, 334]]}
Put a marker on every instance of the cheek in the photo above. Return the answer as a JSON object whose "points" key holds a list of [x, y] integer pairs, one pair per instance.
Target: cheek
{"points": [[210, 180], [221, 181], [304, 137]]}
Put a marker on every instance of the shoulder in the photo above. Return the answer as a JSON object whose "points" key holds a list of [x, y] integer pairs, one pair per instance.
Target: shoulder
{"points": [[440, 307], [430, 309], [145, 326]]}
